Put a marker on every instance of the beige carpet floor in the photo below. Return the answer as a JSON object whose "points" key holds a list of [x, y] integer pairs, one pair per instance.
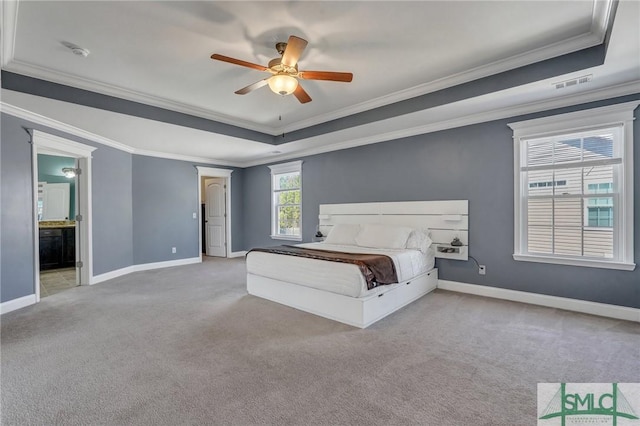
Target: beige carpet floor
{"points": [[188, 346]]}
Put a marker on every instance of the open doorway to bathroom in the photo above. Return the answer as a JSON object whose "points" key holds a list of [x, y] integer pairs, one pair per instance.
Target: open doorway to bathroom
{"points": [[79, 230], [56, 212]]}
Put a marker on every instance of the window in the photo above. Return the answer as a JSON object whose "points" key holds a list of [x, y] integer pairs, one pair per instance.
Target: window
{"points": [[600, 210], [286, 201], [574, 188]]}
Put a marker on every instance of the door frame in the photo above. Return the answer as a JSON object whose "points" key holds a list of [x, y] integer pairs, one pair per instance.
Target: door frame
{"points": [[213, 172], [45, 143]]}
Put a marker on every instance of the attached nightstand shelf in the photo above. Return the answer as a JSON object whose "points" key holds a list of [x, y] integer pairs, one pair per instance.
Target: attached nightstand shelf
{"points": [[447, 251]]}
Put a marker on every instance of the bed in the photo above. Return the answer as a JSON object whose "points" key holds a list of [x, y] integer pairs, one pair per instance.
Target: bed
{"points": [[410, 234]]}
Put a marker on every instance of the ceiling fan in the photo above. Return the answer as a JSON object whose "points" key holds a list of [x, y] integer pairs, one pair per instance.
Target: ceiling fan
{"points": [[284, 70]]}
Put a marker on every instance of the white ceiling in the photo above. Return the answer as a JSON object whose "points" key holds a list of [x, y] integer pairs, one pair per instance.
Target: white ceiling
{"points": [[158, 53]]}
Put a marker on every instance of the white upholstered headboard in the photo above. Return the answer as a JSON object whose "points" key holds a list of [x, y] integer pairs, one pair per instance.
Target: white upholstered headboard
{"points": [[445, 219]]}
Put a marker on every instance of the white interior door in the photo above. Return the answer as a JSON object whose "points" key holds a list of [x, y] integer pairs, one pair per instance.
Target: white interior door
{"points": [[215, 217], [55, 201]]}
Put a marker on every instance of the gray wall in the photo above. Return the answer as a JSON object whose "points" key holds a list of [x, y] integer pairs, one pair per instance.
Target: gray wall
{"points": [[165, 196], [112, 209], [16, 214], [474, 163], [140, 205]]}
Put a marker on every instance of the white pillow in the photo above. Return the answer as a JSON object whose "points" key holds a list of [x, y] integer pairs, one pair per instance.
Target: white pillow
{"points": [[343, 234], [419, 240], [383, 236]]}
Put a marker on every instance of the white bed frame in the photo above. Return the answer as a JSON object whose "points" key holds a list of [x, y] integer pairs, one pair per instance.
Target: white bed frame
{"points": [[445, 220]]}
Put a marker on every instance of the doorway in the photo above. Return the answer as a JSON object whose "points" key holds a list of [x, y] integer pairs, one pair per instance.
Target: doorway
{"points": [[214, 193], [62, 216], [56, 213]]}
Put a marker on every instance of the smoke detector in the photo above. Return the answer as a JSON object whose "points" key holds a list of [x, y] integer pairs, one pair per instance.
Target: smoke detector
{"points": [[77, 50], [80, 52]]}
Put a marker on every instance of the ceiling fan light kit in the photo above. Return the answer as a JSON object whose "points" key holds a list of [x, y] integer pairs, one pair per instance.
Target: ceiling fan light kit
{"points": [[283, 84], [285, 71]]}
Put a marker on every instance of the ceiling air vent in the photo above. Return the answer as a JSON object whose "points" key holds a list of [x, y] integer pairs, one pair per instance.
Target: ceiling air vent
{"points": [[573, 81]]}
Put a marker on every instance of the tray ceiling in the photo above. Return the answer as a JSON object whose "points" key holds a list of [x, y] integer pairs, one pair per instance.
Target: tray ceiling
{"points": [[158, 53]]}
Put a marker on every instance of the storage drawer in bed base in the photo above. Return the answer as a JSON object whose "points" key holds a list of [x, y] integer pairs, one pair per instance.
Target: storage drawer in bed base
{"points": [[359, 312]]}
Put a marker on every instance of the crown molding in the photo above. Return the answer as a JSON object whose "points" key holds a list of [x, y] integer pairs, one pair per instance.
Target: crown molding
{"points": [[599, 23], [42, 73], [59, 125], [9, 21], [551, 51], [530, 57], [600, 18], [188, 158], [76, 131], [349, 141], [482, 117]]}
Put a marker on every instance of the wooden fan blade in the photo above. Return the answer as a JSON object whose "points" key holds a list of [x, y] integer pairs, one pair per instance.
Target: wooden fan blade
{"points": [[345, 77], [238, 62], [294, 49], [251, 87], [302, 96]]}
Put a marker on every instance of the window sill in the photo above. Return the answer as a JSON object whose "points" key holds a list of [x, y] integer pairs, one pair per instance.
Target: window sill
{"points": [[286, 237], [622, 266]]}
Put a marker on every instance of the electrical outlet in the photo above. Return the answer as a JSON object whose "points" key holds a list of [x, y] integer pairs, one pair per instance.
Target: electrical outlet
{"points": [[195, 216], [482, 270], [173, 249]]}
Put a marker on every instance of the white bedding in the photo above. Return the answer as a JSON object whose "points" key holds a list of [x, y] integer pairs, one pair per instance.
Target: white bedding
{"points": [[340, 278]]}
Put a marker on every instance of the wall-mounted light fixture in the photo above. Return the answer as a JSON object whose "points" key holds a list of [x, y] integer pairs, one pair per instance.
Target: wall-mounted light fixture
{"points": [[69, 172]]}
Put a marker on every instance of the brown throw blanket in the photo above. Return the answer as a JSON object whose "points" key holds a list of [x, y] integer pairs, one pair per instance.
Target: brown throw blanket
{"points": [[377, 269]]}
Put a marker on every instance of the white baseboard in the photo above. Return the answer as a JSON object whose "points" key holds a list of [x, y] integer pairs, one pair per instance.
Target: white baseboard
{"points": [[143, 267], [167, 264], [111, 275], [238, 254], [20, 302], [593, 308]]}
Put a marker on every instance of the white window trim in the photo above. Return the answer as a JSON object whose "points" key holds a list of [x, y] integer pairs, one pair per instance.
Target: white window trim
{"points": [[613, 115], [293, 166]]}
